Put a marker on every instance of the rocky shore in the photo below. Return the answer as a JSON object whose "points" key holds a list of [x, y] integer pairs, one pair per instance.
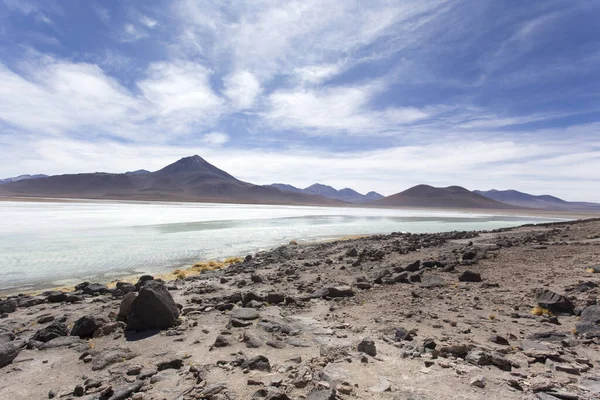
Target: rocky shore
{"points": [[507, 314]]}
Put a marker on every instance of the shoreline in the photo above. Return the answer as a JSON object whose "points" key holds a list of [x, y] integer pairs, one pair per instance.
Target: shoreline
{"points": [[518, 211], [499, 314], [170, 274]]}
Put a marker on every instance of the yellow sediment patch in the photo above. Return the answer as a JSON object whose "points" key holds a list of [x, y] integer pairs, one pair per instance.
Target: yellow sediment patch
{"points": [[537, 310], [200, 267]]}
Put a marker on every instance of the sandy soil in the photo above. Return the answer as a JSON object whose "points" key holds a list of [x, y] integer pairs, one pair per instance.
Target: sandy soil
{"points": [[470, 340]]}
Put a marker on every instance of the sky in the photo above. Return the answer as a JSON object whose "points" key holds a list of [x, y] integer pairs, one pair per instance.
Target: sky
{"points": [[378, 95]]}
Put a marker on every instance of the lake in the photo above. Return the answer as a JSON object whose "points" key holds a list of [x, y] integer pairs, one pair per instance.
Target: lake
{"points": [[44, 244]]}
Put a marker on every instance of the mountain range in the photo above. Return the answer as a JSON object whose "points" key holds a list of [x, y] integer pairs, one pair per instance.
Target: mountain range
{"points": [[542, 202], [22, 178], [448, 197], [194, 179], [346, 195]]}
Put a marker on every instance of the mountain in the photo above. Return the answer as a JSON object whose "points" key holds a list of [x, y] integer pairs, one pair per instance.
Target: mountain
{"points": [[449, 197], [189, 179], [287, 188], [346, 195], [543, 202], [22, 178], [138, 172]]}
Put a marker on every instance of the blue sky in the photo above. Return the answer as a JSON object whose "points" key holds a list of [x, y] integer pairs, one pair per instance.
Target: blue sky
{"points": [[480, 93]]}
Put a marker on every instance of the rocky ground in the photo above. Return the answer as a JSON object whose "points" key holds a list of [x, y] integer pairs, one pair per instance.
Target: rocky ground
{"points": [[509, 314]]}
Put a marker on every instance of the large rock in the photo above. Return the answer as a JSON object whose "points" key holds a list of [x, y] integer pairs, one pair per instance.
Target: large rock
{"points": [[52, 331], [553, 301], [469, 276], [125, 307], [95, 288], [244, 313], [589, 322], [9, 351], [153, 308], [55, 296], [85, 326], [8, 306], [6, 336]]}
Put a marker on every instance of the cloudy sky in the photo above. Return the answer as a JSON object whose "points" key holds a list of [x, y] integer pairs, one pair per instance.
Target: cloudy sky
{"points": [[377, 95]]}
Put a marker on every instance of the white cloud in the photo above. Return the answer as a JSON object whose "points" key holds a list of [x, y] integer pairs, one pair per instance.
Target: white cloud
{"points": [[148, 22], [59, 98], [131, 34], [317, 73], [215, 139], [181, 96], [242, 88], [336, 110]]}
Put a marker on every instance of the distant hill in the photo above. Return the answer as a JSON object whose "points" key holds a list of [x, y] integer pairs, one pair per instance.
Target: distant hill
{"points": [[138, 172], [448, 197], [189, 179], [346, 195], [542, 202], [22, 178]]}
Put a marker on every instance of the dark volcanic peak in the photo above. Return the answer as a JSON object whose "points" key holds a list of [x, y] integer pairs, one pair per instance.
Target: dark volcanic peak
{"points": [[448, 197], [194, 165]]}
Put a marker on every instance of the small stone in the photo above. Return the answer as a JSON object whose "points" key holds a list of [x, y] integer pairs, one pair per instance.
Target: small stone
{"points": [[402, 334], [244, 314], [79, 391], [469, 276], [478, 381], [260, 363], [499, 340], [367, 346], [382, 386], [221, 341]]}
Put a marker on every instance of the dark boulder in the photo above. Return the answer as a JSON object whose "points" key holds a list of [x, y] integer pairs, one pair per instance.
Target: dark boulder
{"points": [[95, 289], [55, 296], [85, 326], [52, 331], [367, 346], [402, 334], [249, 296], [414, 266], [125, 307], [260, 363], [126, 287], [275, 298], [589, 322], [553, 301], [9, 351], [9, 306], [153, 308], [142, 281], [6, 336], [469, 276]]}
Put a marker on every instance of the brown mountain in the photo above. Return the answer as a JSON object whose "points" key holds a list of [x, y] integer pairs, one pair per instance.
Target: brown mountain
{"points": [[449, 197], [189, 179]]}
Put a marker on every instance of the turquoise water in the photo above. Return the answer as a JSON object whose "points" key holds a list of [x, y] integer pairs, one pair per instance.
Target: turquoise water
{"points": [[61, 243]]}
